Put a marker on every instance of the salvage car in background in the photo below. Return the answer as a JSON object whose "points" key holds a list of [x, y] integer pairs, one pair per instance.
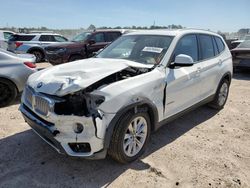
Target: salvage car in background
{"points": [[33, 43], [241, 56], [236, 43], [4, 37], [82, 46], [111, 103], [14, 72]]}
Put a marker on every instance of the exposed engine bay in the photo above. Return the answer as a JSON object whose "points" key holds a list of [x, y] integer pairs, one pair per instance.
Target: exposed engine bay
{"points": [[83, 103]]}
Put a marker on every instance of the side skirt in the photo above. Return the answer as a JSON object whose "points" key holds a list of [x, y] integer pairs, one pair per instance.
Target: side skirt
{"points": [[171, 118]]}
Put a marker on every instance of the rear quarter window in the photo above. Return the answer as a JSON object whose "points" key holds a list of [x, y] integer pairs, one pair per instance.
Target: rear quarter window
{"points": [[60, 38], [220, 44]]}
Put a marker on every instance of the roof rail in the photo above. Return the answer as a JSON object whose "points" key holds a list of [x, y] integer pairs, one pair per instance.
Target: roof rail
{"points": [[41, 31]]}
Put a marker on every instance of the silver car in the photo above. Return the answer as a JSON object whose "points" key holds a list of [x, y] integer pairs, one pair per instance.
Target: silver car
{"points": [[4, 37], [14, 72], [33, 43]]}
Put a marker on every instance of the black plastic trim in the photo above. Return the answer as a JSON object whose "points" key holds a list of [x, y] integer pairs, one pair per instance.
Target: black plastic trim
{"points": [[205, 101], [43, 130]]}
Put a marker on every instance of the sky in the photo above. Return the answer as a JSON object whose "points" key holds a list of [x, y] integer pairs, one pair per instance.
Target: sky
{"points": [[216, 15]]}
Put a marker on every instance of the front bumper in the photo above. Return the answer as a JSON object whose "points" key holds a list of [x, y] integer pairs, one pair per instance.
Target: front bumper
{"points": [[57, 136], [55, 58]]}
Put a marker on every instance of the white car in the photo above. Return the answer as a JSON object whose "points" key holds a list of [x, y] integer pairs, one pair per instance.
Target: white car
{"points": [[111, 103], [4, 37]]}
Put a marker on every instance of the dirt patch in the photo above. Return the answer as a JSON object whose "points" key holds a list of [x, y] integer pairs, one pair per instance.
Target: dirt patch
{"points": [[204, 148]]}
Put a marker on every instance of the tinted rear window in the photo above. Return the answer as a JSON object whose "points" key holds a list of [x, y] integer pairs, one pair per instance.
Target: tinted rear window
{"points": [[220, 44], [21, 37]]}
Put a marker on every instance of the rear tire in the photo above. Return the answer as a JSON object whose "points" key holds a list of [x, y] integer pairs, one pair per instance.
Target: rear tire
{"points": [[130, 137], [221, 95], [8, 93], [75, 58]]}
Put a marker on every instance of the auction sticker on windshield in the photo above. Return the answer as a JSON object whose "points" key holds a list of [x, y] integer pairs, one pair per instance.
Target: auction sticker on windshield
{"points": [[152, 49]]}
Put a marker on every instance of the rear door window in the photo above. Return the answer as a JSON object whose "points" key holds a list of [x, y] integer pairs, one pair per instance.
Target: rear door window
{"points": [[111, 36], [207, 48], [47, 38], [220, 44], [188, 46]]}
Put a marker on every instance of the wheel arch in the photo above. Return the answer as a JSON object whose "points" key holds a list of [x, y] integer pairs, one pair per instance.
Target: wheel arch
{"points": [[36, 49], [227, 76], [9, 80], [143, 105]]}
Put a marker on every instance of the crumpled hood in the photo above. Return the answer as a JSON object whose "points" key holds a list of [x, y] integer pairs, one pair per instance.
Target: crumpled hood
{"points": [[71, 77]]}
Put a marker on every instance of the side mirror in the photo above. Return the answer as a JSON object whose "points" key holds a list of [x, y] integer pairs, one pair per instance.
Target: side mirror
{"points": [[91, 42], [183, 60], [99, 51]]}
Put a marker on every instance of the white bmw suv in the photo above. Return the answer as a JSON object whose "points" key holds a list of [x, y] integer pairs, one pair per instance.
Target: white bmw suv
{"points": [[111, 103]]}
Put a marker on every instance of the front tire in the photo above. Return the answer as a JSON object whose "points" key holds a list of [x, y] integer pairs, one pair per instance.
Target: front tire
{"points": [[8, 93], [39, 55], [221, 95], [130, 137]]}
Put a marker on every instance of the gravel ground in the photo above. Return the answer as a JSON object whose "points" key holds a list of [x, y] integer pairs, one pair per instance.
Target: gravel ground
{"points": [[204, 148]]}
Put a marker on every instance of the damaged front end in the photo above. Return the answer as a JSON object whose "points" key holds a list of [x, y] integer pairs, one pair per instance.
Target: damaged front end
{"points": [[84, 102], [73, 123], [58, 122]]}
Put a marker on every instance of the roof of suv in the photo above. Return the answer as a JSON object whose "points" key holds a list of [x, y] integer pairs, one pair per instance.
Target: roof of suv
{"points": [[36, 34], [171, 32]]}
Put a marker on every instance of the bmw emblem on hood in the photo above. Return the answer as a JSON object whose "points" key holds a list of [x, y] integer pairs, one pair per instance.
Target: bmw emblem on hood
{"points": [[39, 85]]}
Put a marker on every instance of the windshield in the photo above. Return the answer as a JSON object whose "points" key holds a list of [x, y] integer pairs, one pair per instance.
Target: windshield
{"points": [[146, 49], [81, 37]]}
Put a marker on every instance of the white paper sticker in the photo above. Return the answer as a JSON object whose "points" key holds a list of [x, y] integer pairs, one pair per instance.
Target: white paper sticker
{"points": [[152, 49]]}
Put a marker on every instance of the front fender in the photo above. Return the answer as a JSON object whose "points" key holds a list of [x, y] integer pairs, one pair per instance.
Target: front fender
{"points": [[141, 104]]}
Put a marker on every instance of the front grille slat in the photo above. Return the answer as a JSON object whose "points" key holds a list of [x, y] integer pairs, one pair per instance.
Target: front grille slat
{"points": [[41, 105], [37, 102]]}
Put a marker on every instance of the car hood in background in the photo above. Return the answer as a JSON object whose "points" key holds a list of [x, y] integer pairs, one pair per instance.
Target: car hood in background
{"points": [[68, 78]]}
